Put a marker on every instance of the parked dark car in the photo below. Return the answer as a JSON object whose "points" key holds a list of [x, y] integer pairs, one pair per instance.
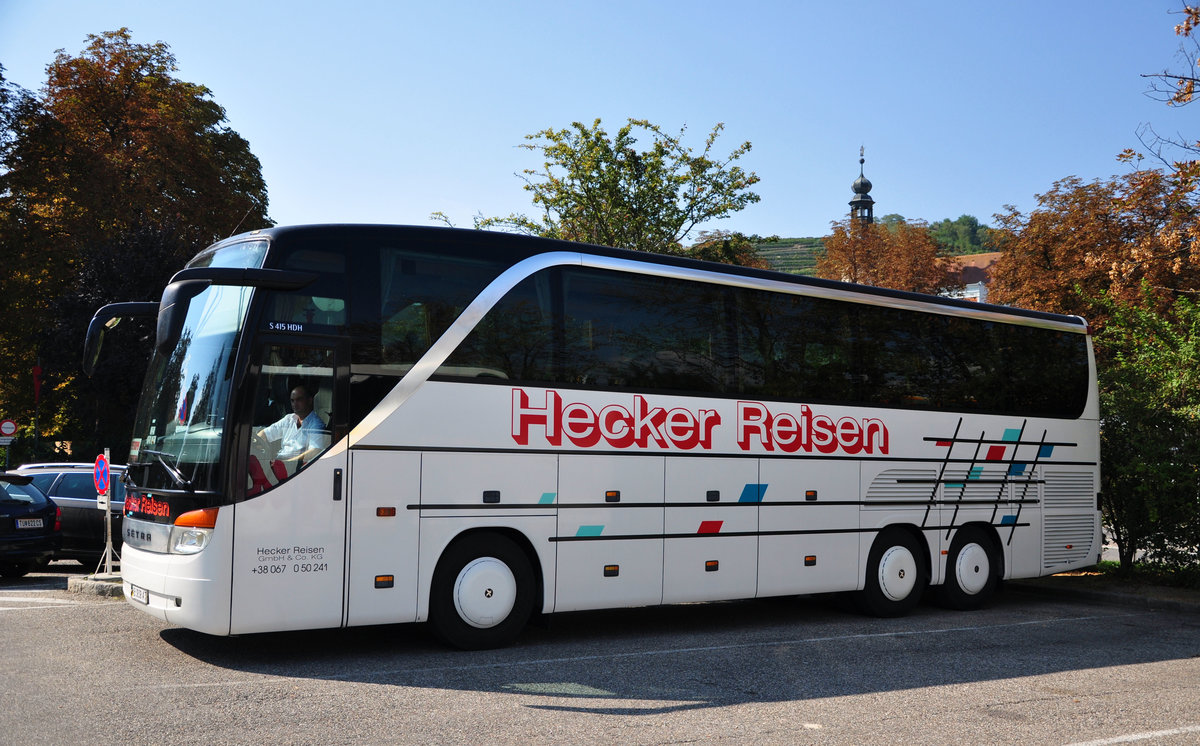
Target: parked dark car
{"points": [[30, 526], [72, 487]]}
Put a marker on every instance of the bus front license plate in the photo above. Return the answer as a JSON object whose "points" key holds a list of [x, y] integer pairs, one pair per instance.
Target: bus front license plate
{"points": [[141, 595]]}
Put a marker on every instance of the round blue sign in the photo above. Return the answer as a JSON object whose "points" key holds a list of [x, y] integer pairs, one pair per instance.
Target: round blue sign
{"points": [[100, 474]]}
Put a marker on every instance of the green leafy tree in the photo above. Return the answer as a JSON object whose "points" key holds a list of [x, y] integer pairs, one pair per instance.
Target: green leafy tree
{"points": [[114, 156], [962, 236], [727, 248], [600, 189], [1150, 439]]}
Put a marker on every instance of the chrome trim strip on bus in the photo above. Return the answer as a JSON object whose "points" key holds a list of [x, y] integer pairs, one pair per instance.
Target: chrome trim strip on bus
{"points": [[440, 350], [152, 537], [847, 294]]}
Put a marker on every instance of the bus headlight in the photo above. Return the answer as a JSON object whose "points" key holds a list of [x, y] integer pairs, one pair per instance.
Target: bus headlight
{"points": [[188, 540], [192, 530]]}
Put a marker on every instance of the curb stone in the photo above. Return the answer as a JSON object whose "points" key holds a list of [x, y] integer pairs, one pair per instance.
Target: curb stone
{"points": [[105, 585]]}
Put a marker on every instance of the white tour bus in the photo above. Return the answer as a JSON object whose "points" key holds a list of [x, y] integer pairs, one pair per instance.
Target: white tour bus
{"points": [[497, 426]]}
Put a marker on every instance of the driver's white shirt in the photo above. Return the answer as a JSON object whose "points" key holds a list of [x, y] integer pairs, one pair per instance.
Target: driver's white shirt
{"points": [[297, 437]]}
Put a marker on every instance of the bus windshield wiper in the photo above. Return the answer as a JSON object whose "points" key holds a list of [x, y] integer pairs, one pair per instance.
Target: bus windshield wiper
{"points": [[175, 474]]}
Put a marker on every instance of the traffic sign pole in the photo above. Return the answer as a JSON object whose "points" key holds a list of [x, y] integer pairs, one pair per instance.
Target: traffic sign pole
{"points": [[102, 476], [8, 429]]}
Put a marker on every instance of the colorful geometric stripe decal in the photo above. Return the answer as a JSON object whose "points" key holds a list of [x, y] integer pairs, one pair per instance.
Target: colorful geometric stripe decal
{"points": [[710, 527], [547, 498], [589, 531], [753, 493], [1010, 452]]}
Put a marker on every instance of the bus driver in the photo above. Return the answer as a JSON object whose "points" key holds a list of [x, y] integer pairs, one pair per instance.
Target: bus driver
{"points": [[302, 435]]}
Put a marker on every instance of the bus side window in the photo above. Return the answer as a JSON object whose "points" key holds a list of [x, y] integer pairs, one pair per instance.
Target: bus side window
{"points": [[513, 341]]}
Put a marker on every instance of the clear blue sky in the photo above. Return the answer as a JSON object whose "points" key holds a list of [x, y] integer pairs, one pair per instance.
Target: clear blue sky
{"points": [[387, 111]]}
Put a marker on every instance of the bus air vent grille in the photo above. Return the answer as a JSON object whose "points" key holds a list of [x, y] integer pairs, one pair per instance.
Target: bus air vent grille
{"points": [[1070, 490], [1068, 540]]}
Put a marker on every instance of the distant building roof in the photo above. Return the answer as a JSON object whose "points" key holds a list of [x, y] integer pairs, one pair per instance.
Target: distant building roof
{"points": [[977, 267]]}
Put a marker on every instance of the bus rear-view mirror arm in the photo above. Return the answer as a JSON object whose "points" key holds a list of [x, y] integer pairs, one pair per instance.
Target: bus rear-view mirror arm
{"points": [[107, 318], [172, 309]]}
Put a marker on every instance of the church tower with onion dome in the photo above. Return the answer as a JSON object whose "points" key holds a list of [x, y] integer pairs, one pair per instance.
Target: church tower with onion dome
{"points": [[862, 207]]}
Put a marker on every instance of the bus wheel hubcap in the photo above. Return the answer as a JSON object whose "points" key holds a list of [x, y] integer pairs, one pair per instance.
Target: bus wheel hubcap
{"points": [[485, 592], [897, 573], [972, 569]]}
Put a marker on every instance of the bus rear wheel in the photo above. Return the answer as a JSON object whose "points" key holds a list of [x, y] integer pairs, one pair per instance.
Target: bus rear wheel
{"points": [[971, 571], [896, 576], [482, 594]]}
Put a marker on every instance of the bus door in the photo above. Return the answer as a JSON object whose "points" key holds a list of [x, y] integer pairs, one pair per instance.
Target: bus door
{"points": [[289, 553]]}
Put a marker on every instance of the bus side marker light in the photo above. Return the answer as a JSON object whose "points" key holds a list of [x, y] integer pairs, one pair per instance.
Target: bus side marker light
{"points": [[385, 581], [612, 571], [713, 496], [712, 566], [810, 560], [385, 512], [810, 495], [612, 496], [945, 552], [491, 496]]}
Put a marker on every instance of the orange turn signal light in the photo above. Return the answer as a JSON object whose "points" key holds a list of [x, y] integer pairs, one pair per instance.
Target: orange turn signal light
{"points": [[203, 518]]}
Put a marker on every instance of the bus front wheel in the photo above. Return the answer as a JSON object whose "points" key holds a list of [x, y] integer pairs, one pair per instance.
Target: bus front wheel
{"points": [[896, 576], [482, 593]]}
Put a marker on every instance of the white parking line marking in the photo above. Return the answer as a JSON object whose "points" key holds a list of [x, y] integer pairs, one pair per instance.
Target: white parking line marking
{"points": [[1132, 737]]}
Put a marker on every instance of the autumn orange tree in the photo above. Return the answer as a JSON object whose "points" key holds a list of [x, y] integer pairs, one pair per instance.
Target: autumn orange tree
{"points": [[896, 254], [110, 177], [1125, 253], [1106, 236]]}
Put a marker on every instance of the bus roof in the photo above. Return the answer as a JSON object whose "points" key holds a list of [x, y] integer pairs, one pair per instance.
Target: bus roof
{"points": [[521, 246]]}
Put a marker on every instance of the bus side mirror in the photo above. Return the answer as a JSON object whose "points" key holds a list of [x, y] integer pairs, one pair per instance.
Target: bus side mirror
{"points": [[173, 310], [106, 318]]}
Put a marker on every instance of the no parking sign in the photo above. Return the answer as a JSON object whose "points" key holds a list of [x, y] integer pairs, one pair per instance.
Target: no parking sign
{"points": [[101, 476]]}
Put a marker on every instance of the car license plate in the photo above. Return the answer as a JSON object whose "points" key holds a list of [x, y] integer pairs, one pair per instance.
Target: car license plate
{"points": [[30, 523], [141, 595]]}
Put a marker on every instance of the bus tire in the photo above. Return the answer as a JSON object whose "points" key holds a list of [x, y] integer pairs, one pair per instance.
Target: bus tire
{"points": [[896, 576], [972, 571], [482, 593]]}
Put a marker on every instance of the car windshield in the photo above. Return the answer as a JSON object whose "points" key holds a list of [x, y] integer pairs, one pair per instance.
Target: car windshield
{"points": [[20, 494], [180, 422]]}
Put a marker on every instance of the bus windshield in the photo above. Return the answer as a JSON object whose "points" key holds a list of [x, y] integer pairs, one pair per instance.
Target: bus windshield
{"points": [[180, 422]]}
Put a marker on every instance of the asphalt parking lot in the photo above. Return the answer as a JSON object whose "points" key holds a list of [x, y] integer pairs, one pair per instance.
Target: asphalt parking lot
{"points": [[1033, 668]]}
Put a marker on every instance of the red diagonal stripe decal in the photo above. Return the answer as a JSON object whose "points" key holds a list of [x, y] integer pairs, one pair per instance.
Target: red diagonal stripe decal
{"points": [[710, 527]]}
